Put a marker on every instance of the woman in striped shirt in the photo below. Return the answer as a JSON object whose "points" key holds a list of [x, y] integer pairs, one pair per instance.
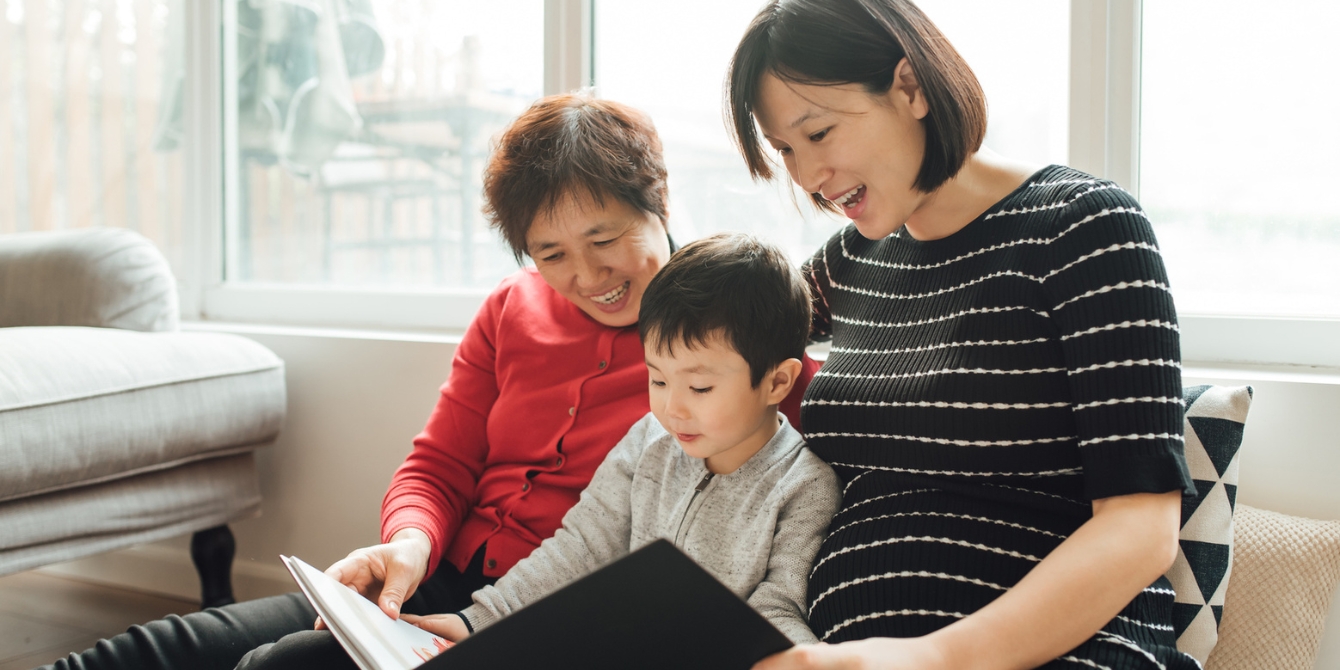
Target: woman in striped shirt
{"points": [[1002, 400]]}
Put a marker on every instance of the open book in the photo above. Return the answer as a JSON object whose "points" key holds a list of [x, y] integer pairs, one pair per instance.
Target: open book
{"points": [[654, 609], [373, 640]]}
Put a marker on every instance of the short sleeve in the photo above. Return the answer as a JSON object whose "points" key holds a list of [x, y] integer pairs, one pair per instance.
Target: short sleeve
{"points": [[1107, 293]]}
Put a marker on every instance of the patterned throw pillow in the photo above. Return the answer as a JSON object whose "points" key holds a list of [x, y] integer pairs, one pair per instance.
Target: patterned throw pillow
{"points": [[1214, 423]]}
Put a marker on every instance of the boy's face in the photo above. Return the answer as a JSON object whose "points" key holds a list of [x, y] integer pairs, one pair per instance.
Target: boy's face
{"points": [[702, 396]]}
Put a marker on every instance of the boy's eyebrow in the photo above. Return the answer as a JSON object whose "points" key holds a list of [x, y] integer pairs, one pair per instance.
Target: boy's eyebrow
{"points": [[697, 369]]}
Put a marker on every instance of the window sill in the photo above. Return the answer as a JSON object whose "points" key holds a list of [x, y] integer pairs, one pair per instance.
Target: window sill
{"points": [[415, 336]]}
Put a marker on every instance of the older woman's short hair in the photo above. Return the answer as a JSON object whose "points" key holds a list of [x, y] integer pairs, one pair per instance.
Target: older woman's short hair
{"points": [[833, 42], [569, 145]]}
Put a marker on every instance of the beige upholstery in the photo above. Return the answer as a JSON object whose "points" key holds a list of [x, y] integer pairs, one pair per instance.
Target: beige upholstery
{"points": [[1285, 569], [115, 429], [102, 277]]}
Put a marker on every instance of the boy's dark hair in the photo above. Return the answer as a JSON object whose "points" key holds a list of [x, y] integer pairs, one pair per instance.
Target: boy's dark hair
{"points": [[731, 286], [832, 42], [566, 145]]}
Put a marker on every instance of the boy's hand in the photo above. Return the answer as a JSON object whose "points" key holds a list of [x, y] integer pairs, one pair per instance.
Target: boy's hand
{"points": [[386, 574], [450, 626]]}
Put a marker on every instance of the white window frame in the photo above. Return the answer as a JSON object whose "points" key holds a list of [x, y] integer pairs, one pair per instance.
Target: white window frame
{"points": [[1104, 140], [206, 293]]}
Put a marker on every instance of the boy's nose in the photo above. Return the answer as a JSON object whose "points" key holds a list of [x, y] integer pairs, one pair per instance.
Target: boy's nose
{"points": [[676, 409]]}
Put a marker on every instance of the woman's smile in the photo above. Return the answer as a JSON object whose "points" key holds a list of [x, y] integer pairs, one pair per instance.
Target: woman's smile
{"points": [[614, 299], [852, 202]]}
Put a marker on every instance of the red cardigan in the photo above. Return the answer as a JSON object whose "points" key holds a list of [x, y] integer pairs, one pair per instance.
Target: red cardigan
{"points": [[537, 395]]}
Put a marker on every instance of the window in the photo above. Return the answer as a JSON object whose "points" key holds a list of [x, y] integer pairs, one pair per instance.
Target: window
{"points": [[1019, 53], [1238, 138], [366, 213], [85, 132], [361, 130]]}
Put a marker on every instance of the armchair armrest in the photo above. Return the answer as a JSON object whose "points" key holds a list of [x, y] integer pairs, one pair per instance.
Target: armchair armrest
{"points": [[101, 277]]}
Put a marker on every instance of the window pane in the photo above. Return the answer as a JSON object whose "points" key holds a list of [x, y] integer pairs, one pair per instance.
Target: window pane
{"points": [[1238, 139], [363, 126], [678, 81], [84, 137], [1020, 53]]}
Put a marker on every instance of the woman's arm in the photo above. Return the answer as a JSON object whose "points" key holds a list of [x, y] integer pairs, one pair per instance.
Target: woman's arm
{"points": [[815, 272], [431, 491], [1084, 583]]}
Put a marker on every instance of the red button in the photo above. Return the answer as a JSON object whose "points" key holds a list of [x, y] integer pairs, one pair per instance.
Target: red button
{"points": [[492, 564], [559, 462], [525, 487], [603, 364]]}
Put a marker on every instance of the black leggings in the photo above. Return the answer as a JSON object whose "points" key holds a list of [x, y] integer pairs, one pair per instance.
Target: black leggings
{"points": [[273, 632]]}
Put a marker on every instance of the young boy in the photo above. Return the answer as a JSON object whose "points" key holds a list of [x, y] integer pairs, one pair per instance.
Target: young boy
{"points": [[713, 467]]}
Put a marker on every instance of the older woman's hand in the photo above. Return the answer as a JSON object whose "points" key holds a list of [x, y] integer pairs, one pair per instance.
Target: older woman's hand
{"points": [[386, 574], [878, 653]]}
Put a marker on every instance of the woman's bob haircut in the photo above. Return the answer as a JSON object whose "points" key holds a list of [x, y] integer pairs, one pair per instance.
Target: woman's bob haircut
{"points": [[835, 42]]}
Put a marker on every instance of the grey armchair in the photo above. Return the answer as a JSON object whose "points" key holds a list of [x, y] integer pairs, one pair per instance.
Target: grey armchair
{"points": [[115, 429]]}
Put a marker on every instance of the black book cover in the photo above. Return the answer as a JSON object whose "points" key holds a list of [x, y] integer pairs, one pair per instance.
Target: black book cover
{"points": [[652, 609]]}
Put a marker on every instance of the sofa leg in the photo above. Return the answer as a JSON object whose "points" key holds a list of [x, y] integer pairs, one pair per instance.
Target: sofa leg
{"points": [[212, 552]]}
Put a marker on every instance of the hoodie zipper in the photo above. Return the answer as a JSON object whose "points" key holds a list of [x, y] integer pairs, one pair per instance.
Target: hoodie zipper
{"points": [[702, 485]]}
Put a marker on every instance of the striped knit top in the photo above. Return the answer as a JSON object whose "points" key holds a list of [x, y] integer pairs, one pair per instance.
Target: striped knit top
{"points": [[981, 390]]}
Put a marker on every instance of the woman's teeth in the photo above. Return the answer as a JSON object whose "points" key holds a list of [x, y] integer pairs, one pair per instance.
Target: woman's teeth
{"points": [[849, 196], [613, 296]]}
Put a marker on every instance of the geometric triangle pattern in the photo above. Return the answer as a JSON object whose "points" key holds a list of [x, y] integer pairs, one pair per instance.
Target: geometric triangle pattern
{"points": [[1215, 418]]}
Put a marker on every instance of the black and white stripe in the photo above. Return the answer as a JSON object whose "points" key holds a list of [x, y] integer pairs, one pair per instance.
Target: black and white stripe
{"points": [[981, 390]]}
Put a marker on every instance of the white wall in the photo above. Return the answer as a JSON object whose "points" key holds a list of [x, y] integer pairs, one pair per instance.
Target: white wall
{"points": [[356, 399]]}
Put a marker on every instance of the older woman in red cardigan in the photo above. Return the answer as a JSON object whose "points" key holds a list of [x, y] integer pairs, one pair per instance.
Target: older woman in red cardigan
{"points": [[547, 378]]}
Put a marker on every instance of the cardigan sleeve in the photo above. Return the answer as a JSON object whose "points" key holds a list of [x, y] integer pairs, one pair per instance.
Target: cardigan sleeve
{"points": [[433, 489], [1107, 294]]}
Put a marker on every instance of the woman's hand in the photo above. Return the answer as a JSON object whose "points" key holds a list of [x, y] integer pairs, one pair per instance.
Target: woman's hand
{"points": [[386, 574], [450, 626], [878, 653]]}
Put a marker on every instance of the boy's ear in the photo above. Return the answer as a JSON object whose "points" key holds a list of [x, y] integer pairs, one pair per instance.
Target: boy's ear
{"points": [[781, 379]]}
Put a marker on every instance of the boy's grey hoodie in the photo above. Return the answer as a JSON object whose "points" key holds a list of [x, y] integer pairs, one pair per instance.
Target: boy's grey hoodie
{"points": [[756, 529]]}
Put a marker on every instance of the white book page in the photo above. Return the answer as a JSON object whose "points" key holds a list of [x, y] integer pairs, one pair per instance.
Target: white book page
{"points": [[374, 641]]}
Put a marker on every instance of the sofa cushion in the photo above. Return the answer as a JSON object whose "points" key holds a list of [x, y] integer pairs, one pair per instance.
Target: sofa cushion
{"points": [[1214, 420], [104, 277], [85, 405], [1285, 570]]}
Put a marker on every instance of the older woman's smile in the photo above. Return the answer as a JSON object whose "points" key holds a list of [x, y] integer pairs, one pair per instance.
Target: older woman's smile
{"points": [[613, 296]]}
